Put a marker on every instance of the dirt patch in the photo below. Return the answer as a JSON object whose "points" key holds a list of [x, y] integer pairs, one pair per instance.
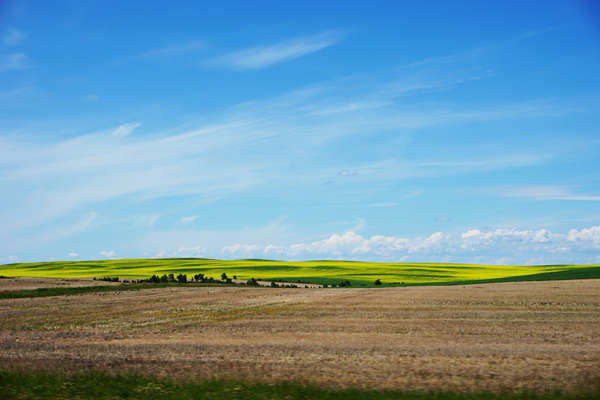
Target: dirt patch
{"points": [[533, 335]]}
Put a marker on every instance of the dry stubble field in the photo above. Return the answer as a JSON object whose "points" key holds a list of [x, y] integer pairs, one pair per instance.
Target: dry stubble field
{"points": [[530, 335]]}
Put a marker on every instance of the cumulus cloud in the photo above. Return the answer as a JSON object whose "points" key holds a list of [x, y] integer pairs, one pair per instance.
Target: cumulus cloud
{"points": [[196, 251], [498, 245], [242, 250], [265, 56], [73, 255], [542, 239], [347, 173], [352, 244], [184, 252], [126, 129], [108, 254], [10, 260]]}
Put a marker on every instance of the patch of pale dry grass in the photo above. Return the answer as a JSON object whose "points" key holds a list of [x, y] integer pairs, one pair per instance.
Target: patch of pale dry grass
{"points": [[534, 335], [25, 283]]}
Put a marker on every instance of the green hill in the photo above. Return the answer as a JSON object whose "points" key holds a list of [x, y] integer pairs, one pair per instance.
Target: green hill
{"points": [[305, 271]]}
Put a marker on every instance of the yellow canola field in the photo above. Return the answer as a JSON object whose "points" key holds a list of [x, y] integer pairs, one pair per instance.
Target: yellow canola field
{"points": [[325, 271]]}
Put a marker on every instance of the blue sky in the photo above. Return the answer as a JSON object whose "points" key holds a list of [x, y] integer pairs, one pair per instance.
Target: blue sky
{"points": [[426, 131]]}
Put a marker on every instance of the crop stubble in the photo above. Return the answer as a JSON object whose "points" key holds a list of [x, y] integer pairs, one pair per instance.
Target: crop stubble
{"points": [[534, 335]]}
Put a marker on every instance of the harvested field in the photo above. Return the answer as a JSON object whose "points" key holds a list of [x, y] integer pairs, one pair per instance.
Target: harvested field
{"points": [[528, 335], [26, 283]]}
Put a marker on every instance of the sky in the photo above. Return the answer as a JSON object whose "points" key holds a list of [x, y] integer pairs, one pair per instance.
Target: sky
{"points": [[397, 131]]}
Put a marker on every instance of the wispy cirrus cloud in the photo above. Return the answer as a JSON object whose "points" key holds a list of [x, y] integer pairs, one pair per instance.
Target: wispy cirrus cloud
{"points": [[13, 37], [163, 53], [126, 129], [547, 192], [14, 61], [265, 56], [189, 220], [251, 146], [173, 50]]}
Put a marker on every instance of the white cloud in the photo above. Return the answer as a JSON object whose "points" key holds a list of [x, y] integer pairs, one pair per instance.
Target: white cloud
{"points": [[49, 236], [533, 240], [265, 56], [73, 255], [442, 219], [108, 254], [248, 148], [11, 62], [347, 173], [196, 251], [145, 221], [543, 193], [13, 37], [126, 129], [174, 50], [188, 220], [353, 244], [488, 244], [184, 252], [10, 260], [242, 250]]}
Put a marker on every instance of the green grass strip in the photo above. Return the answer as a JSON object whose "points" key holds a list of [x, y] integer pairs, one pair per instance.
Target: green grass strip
{"points": [[99, 385]]}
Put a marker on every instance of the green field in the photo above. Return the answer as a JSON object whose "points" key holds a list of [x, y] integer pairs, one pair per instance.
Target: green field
{"points": [[307, 271]]}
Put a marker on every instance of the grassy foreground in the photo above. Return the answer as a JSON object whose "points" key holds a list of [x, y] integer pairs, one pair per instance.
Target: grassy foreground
{"points": [[308, 271], [19, 385]]}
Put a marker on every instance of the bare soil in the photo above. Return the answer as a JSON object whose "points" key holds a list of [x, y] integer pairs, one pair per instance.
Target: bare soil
{"points": [[530, 335]]}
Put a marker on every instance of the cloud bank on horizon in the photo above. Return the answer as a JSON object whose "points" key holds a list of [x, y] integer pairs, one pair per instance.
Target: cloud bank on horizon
{"points": [[381, 133]]}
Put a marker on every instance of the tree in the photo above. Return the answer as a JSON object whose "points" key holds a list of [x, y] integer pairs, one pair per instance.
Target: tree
{"points": [[224, 276], [378, 282], [182, 278], [252, 282], [171, 278]]}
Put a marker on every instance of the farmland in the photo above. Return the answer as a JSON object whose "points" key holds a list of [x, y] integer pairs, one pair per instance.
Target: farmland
{"points": [[319, 272], [485, 337], [429, 327]]}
